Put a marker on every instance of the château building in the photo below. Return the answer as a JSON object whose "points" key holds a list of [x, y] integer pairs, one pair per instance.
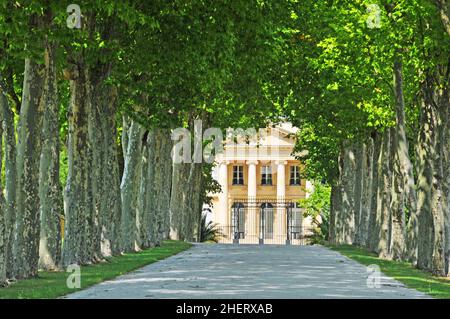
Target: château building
{"points": [[261, 185]]}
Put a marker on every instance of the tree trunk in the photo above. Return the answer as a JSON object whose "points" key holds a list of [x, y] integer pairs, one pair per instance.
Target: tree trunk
{"points": [[10, 180], [348, 195], [148, 217], [77, 201], [334, 212], [192, 200], [197, 200], [130, 186], [431, 245], [157, 187], [444, 12], [383, 196], [188, 213], [366, 200], [360, 157], [338, 208], [398, 238], [177, 200], [167, 182], [111, 208], [190, 197], [142, 199], [3, 238], [162, 139], [445, 109], [403, 192], [373, 236], [125, 131], [26, 244], [50, 190], [99, 137]]}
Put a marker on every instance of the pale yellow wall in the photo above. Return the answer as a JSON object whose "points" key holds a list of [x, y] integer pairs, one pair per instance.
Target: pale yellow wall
{"points": [[240, 191], [239, 155]]}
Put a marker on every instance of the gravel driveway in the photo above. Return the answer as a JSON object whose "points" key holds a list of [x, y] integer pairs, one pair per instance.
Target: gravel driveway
{"points": [[250, 271]]}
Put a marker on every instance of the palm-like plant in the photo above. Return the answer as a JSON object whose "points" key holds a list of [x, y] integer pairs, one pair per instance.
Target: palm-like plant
{"points": [[209, 231]]}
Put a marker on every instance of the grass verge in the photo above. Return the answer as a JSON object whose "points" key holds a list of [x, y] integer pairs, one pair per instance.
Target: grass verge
{"points": [[53, 284], [404, 272]]}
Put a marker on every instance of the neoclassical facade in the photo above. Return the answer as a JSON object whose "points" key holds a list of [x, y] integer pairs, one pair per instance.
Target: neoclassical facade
{"points": [[261, 184]]}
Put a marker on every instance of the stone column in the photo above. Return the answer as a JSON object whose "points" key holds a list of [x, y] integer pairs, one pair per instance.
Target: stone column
{"points": [[281, 178], [252, 222], [223, 197], [280, 221]]}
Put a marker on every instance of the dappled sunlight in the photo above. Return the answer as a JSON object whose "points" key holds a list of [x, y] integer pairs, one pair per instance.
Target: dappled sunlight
{"points": [[401, 271], [226, 271]]}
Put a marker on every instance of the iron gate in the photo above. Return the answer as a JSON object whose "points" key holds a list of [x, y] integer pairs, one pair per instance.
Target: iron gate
{"points": [[294, 229], [265, 221], [238, 221]]}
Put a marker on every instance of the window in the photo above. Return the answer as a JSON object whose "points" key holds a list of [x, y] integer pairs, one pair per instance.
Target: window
{"points": [[295, 176], [266, 175], [238, 175]]}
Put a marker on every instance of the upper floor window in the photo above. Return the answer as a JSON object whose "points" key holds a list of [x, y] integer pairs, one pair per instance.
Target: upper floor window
{"points": [[266, 175], [295, 176], [238, 175]]}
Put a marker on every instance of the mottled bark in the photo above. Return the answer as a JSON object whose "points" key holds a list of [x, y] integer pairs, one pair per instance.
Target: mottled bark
{"points": [[366, 201], [403, 192], [124, 136], [363, 182], [142, 199], [175, 197], [188, 212], [196, 200], [50, 190], [26, 243], [10, 180], [160, 148], [111, 204], [360, 157], [148, 198], [444, 12], [191, 198], [334, 212], [439, 197], [337, 196], [383, 219], [77, 200], [431, 245], [158, 178], [101, 96], [348, 196], [3, 238], [397, 243], [167, 182], [446, 170], [373, 235], [130, 187], [177, 200]]}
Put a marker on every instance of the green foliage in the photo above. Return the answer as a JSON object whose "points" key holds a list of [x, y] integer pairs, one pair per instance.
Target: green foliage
{"points": [[338, 72], [209, 231], [209, 184], [63, 166], [317, 206]]}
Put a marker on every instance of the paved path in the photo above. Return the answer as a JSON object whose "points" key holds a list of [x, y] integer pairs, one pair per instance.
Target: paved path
{"points": [[250, 271]]}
